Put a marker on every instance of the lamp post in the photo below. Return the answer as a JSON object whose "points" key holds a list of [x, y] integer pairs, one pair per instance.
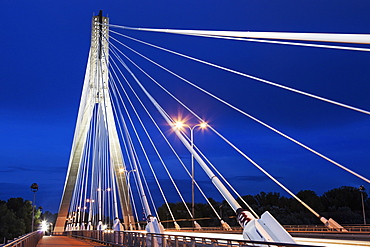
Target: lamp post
{"points": [[34, 188], [128, 176], [362, 190], [202, 125]]}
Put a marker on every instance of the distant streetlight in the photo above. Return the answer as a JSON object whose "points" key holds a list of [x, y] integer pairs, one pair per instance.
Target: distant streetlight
{"points": [[362, 190], [202, 125], [44, 226], [34, 188], [128, 176]]}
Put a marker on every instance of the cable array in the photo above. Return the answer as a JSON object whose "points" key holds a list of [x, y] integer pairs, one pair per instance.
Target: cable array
{"points": [[130, 152]]}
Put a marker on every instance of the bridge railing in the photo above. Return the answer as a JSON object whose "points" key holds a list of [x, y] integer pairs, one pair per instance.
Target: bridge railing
{"points": [[28, 240], [315, 228], [233, 229], [143, 239]]}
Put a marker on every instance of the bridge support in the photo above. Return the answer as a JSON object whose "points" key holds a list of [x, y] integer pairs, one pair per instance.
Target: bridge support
{"points": [[95, 95]]}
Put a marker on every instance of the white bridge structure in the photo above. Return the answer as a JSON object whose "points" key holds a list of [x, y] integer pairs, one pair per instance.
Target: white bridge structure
{"points": [[129, 129]]}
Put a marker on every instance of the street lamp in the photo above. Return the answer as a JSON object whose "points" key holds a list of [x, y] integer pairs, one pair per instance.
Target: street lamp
{"points": [[362, 190], [44, 226], [202, 125], [127, 175], [34, 188]]}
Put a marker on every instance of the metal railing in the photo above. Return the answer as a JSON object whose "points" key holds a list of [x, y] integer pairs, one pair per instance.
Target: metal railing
{"points": [[290, 228], [28, 240], [143, 239], [316, 228]]}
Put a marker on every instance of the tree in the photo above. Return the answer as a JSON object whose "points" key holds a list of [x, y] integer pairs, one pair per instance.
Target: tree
{"points": [[312, 199], [10, 225], [178, 210], [22, 210], [344, 204], [345, 196], [16, 217]]}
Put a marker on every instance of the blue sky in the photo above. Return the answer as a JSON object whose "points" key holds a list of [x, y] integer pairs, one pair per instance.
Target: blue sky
{"points": [[44, 50]]}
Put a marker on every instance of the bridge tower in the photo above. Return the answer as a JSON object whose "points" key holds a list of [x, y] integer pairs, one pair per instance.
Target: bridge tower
{"points": [[95, 95]]}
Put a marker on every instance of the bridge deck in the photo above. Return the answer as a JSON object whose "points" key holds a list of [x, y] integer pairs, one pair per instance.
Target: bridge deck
{"points": [[55, 241]]}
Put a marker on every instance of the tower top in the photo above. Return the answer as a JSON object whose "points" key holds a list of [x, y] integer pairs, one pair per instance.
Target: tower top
{"points": [[99, 33]]}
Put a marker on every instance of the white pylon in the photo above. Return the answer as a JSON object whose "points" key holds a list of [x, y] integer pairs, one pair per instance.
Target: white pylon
{"points": [[95, 92]]}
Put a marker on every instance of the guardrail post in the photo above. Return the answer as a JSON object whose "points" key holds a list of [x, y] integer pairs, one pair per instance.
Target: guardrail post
{"points": [[229, 244], [151, 238], [185, 241], [126, 238], [116, 237], [137, 238], [164, 240], [214, 243], [192, 239]]}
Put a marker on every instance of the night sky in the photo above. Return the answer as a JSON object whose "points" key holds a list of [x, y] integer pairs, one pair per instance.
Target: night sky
{"points": [[44, 50]]}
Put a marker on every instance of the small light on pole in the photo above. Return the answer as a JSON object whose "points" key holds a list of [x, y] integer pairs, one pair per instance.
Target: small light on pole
{"points": [[34, 188], [362, 190], [128, 175], [44, 226], [202, 125]]}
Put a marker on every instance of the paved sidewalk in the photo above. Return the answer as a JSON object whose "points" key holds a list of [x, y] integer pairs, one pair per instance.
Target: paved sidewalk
{"points": [[59, 241]]}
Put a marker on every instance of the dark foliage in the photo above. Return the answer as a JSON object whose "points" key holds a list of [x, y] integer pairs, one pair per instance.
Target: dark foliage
{"points": [[343, 204], [16, 218]]}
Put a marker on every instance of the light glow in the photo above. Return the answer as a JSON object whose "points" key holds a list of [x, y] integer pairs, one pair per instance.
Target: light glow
{"points": [[179, 125], [44, 226], [203, 125]]}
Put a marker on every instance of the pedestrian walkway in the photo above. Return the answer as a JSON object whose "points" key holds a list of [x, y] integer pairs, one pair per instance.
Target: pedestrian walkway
{"points": [[58, 241]]}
